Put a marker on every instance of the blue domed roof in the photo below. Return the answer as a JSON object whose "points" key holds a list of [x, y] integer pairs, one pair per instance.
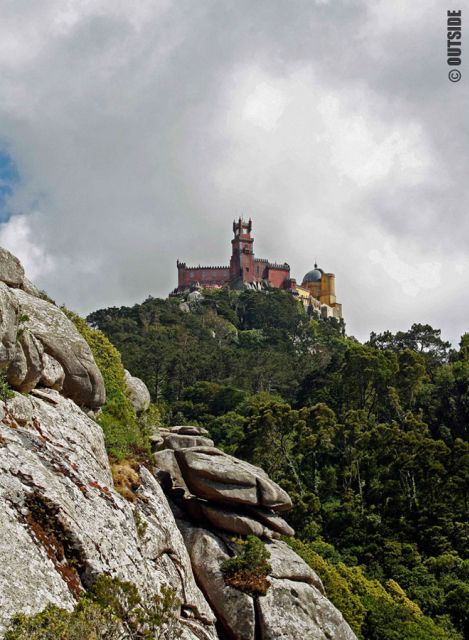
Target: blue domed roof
{"points": [[313, 276]]}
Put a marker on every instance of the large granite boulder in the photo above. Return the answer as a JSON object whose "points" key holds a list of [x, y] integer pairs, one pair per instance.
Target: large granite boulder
{"points": [[11, 269], [293, 610], [216, 476], [39, 345], [44, 328], [138, 392], [213, 487], [294, 607], [62, 522], [233, 608]]}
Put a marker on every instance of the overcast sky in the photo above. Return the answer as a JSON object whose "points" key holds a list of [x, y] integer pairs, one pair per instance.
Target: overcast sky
{"points": [[132, 132]]}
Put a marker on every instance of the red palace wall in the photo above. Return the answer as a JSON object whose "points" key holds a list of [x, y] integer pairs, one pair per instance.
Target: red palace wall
{"points": [[205, 276], [278, 278]]}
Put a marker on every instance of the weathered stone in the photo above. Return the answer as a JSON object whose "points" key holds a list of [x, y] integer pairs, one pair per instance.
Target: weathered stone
{"points": [[287, 564], [271, 520], [234, 609], [189, 430], [180, 441], [138, 391], [83, 381], [231, 521], [33, 352], [168, 471], [156, 442], [298, 611], [20, 408], [55, 456], [211, 474], [9, 313], [53, 374], [30, 288], [11, 269]]}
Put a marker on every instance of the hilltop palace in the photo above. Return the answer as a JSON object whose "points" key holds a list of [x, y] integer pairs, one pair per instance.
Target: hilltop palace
{"points": [[317, 290]]}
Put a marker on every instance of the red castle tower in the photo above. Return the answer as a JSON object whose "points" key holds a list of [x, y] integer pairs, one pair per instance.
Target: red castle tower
{"points": [[242, 253]]}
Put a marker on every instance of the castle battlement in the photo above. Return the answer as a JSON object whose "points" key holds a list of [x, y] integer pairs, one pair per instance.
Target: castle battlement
{"points": [[317, 291]]}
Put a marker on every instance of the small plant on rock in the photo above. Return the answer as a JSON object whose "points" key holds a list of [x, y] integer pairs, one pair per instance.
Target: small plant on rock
{"points": [[249, 569], [5, 391]]}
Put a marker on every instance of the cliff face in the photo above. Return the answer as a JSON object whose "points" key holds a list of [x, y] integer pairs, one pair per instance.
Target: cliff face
{"points": [[62, 524]]}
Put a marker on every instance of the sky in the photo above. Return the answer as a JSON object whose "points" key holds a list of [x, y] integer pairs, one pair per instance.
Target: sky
{"points": [[133, 133]]}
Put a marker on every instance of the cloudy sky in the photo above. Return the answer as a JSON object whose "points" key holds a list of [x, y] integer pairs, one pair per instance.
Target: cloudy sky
{"points": [[132, 132]]}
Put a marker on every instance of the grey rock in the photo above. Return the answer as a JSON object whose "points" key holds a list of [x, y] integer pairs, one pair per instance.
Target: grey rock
{"points": [[180, 441], [294, 610], [231, 521], [234, 609], [52, 375], [59, 338], [51, 452], [287, 564], [139, 394], [168, 471], [188, 430], [9, 318], [30, 288], [11, 269], [271, 520], [211, 474]]}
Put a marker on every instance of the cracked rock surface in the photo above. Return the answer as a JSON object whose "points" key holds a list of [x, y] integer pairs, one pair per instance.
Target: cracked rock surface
{"points": [[55, 478], [217, 497]]}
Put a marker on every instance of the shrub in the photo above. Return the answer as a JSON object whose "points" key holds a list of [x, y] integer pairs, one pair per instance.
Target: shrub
{"points": [[5, 390], [249, 569], [122, 434], [111, 610], [373, 611]]}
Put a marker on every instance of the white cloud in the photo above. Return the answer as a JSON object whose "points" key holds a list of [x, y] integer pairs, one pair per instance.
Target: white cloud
{"points": [[141, 129], [16, 236]]}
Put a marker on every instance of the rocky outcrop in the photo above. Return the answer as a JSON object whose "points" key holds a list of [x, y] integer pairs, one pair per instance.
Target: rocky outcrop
{"points": [[294, 607], [217, 488], [39, 345], [138, 392], [214, 496], [62, 523], [11, 269]]}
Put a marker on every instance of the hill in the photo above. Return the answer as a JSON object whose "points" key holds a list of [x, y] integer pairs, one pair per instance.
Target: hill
{"points": [[370, 440]]}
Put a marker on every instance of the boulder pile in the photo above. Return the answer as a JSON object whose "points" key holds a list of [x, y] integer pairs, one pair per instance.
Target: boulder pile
{"points": [[212, 486], [216, 498]]}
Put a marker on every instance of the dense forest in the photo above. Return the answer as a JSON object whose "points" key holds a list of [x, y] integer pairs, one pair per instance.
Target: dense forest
{"points": [[369, 439]]}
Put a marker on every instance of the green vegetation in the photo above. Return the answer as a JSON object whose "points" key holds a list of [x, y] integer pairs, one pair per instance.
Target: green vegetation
{"points": [[373, 611], [111, 610], [5, 389], [370, 440], [123, 435], [249, 568]]}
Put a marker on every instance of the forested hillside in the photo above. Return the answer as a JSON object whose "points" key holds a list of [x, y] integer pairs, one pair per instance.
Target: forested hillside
{"points": [[369, 439]]}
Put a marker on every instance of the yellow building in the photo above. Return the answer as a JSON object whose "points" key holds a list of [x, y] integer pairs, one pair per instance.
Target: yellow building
{"points": [[317, 292]]}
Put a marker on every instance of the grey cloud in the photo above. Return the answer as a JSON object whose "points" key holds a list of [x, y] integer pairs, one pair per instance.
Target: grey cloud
{"points": [[126, 122]]}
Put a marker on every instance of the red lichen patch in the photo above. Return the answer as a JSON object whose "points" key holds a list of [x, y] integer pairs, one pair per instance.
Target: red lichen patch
{"points": [[37, 425], [104, 491], [8, 419], [2, 441], [48, 531]]}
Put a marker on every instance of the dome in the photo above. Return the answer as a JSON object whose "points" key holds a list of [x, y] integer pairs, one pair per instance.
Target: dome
{"points": [[313, 276]]}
